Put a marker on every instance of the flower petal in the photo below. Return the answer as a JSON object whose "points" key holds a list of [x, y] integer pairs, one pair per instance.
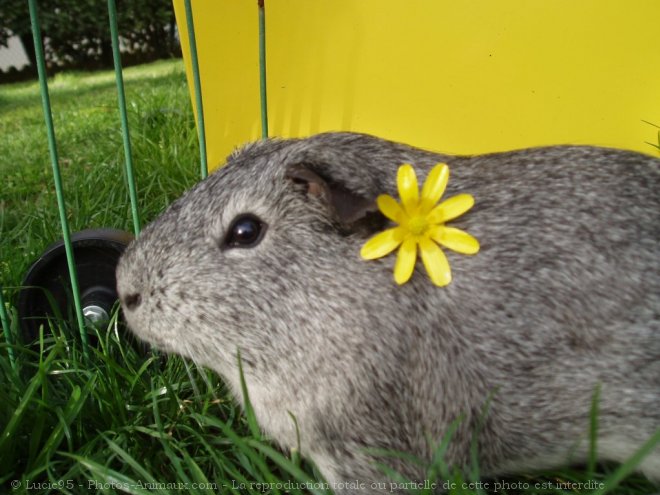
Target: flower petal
{"points": [[434, 186], [406, 181], [435, 262], [454, 239], [382, 244], [451, 208], [389, 207], [405, 261]]}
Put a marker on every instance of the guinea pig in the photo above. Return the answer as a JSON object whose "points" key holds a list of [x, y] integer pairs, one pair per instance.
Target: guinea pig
{"points": [[262, 258]]}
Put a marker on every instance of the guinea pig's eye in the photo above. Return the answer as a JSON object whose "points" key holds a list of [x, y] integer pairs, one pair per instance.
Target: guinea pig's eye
{"points": [[245, 231]]}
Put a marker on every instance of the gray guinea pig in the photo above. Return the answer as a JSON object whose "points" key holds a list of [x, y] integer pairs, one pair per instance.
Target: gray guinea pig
{"points": [[563, 298]]}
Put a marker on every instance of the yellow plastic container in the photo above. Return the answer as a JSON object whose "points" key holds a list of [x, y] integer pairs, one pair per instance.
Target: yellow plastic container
{"points": [[457, 77]]}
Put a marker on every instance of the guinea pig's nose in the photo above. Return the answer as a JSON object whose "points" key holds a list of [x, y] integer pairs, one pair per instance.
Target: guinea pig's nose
{"points": [[132, 301]]}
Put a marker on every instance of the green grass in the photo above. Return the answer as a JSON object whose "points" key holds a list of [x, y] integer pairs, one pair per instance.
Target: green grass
{"points": [[125, 421], [91, 156]]}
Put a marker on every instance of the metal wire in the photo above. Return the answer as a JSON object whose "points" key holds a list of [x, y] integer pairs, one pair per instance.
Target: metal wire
{"points": [[262, 69], [52, 147], [121, 98], [198, 89]]}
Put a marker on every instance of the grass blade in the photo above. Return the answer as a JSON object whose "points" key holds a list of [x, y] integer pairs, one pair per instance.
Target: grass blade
{"points": [[592, 460], [249, 411], [630, 465], [101, 475], [71, 411], [35, 383]]}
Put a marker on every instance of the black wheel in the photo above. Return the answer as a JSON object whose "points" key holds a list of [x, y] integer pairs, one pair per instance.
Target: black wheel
{"points": [[46, 288]]}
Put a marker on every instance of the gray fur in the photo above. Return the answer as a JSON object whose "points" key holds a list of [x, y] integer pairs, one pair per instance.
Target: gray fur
{"points": [[563, 296]]}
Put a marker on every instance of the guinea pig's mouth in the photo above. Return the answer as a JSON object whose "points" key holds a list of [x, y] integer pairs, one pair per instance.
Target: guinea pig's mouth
{"points": [[134, 319], [153, 340], [141, 326], [150, 338]]}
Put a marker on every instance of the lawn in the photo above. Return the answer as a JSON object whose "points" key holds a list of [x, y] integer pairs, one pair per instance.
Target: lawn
{"points": [[124, 420]]}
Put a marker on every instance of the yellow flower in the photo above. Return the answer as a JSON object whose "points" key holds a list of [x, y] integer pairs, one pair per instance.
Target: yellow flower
{"points": [[422, 223]]}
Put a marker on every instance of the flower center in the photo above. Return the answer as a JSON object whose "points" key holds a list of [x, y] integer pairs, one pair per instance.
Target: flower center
{"points": [[417, 225]]}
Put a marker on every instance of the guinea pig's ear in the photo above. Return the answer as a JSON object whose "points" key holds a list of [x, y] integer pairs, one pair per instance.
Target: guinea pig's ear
{"points": [[352, 211]]}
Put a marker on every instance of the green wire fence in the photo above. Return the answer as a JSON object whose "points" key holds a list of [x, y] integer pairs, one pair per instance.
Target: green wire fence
{"points": [[128, 162], [198, 89], [57, 177], [121, 98], [262, 69]]}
